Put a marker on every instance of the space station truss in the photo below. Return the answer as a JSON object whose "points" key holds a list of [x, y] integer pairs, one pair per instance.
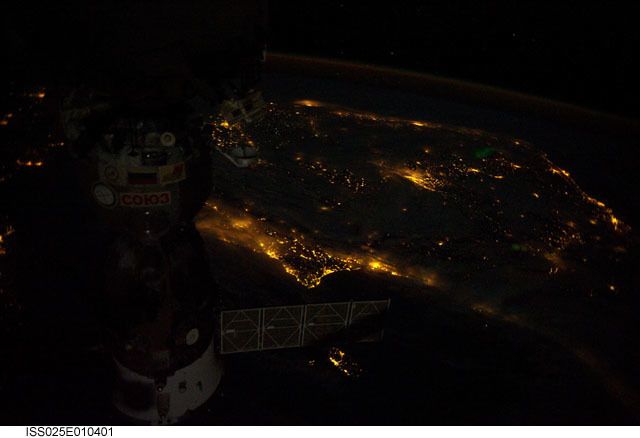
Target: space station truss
{"points": [[269, 328]]}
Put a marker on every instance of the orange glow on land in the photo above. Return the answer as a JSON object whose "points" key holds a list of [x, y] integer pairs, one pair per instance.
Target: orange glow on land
{"points": [[559, 171], [556, 261], [389, 121], [346, 365], [5, 120], [608, 215], [226, 136], [600, 214], [242, 223], [376, 265], [307, 262], [614, 221], [336, 356], [9, 230], [309, 103], [605, 212], [341, 111], [302, 258], [29, 163], [39, 94], [422, 178]]}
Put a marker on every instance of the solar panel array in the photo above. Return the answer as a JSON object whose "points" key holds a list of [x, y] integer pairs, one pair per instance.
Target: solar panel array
{"points": [[269, 328]]}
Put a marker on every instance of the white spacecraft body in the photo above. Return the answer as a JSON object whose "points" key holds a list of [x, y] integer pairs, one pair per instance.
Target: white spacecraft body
{"points": [[184, 391], [248, 108], [245, 111], [148, 400], [241, 156]]}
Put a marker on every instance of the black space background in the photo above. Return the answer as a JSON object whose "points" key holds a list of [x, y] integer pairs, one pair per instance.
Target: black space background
{"points": [[573, 51]]}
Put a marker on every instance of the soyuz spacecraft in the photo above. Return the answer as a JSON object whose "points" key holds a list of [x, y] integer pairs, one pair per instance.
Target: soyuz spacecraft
{"points": [[136, 96], [148, 178]]}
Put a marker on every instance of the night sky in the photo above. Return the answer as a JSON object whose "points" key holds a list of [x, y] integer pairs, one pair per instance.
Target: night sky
{"points": [[572, 51]]}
